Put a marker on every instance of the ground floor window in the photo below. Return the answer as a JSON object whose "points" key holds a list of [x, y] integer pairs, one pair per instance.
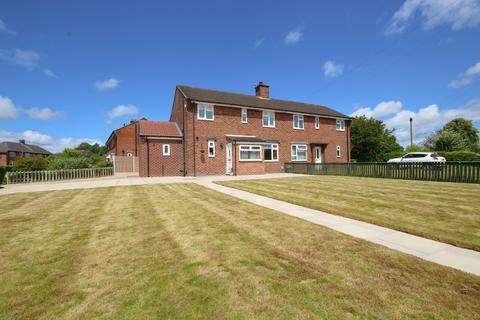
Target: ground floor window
{"points": [[270, 152], [166, 149], [211, 148], [250, 153], [299, 152]]}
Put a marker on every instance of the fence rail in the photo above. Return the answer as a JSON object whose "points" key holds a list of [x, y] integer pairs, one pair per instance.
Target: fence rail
{"points": [[56, 175], [467, 172]]}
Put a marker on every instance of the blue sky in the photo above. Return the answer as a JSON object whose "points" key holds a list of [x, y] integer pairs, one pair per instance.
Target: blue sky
{"points": [[74, 71]]}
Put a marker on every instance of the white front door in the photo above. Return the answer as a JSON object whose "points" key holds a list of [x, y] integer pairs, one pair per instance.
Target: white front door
{"points": [[229, 159], [318, 154]]}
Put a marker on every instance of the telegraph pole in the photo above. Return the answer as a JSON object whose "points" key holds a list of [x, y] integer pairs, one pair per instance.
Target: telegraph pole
{"points": [[411, 134]]}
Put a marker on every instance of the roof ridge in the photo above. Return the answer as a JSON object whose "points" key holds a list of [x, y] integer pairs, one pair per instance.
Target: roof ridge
{"points": [[252, 96]]}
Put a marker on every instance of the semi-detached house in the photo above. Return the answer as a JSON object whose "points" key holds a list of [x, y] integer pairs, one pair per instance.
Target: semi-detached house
{"points": [[213, 132]]}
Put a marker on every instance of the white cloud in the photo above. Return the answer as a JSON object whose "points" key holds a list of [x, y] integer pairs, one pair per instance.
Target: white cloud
{"points": [[381, 110], [26, 58], [467, 77], [107, 84], [459, 14], [45, 141], [293, 36], [332, 70], [259, 43], [429, 119], [42, 114], [4, 29], [50, 73], [8, 109], [122, 110]]}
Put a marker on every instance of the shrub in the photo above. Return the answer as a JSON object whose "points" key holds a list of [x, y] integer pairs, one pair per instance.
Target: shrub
{"points": [[104, 164], [30, 164], [460, 155], [3, 171], [59, 163]]}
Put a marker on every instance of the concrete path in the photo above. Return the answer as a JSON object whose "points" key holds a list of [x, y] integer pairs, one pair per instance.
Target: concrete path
{"points": [[123, 180], [434, 251]]}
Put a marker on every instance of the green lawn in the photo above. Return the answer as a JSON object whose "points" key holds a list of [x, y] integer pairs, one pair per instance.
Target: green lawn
{"points": [[448, 212], [182, 251]]}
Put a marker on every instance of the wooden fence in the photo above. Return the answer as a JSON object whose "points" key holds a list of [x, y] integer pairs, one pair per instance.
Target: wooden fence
{"points": [[468, 172], [55, 175], [124, 164]]}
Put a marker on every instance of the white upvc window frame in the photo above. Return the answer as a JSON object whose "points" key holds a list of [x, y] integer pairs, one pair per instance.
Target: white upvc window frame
{"points": [[211, 145], [340, 125], [294, 156], [317, 122], [205, 107], [244, 114], [250, 148], [271, 124], [166, 152], [300, 120], [339, 151], [273, 147]]}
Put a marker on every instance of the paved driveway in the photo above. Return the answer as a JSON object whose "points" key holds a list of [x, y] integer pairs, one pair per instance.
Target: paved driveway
{"points": [[124, 181]]}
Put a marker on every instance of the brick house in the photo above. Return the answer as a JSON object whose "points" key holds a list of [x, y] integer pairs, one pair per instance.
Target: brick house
{"points": [[229, 133], [9, 151], [124, 141]]}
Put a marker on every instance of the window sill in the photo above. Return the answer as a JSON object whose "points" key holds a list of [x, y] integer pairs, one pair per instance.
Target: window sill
{"points": [[269, 126], [260, 160], [298, 128], [270, 160], [204, 119], [300, 160], [340, 129]]}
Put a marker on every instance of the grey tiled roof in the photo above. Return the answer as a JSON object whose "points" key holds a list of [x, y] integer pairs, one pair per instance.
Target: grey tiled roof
{"points": [[20, 147], [244, 100]]}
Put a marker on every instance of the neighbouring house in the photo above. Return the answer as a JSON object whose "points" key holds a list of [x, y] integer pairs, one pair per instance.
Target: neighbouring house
{"points": [[213, 132], [9, 151], [124, 141]]}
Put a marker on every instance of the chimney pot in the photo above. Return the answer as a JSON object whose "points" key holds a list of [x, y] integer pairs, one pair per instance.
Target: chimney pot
{"points": [[262, 90], [22, 141]]}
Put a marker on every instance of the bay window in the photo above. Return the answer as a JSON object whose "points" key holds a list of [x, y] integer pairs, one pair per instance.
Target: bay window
{"points": [[270, 152], [250, 153]]}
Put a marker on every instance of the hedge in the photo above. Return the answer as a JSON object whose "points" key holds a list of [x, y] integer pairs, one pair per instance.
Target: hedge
{"points": [[3, 170], [460, 155]]}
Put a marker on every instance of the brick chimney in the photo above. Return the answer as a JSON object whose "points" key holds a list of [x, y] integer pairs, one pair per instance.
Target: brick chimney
{"points": [[21, 141], [262, 90]]}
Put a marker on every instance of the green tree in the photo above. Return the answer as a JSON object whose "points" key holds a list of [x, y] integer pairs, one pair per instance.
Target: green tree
{"points": [[448, 140], [90, 150], [457, 135], [372, 141], [465, 129]]}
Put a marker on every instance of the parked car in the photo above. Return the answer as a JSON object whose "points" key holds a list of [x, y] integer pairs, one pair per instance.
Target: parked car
{"points": [[418, 157]]}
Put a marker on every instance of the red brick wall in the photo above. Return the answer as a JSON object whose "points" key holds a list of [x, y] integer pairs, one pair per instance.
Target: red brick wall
{"points": [[227, 121], [3, 159], [125, 140], [160, 165]]}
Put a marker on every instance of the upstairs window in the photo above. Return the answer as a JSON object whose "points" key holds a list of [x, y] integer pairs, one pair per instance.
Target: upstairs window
{"points": [[244, 115], [269, 119], [340, 125], [298, 121], [339, 151], [166, 149], [270, 152], [205, 112], [211, 148], [317, 122], [299, 152]]}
